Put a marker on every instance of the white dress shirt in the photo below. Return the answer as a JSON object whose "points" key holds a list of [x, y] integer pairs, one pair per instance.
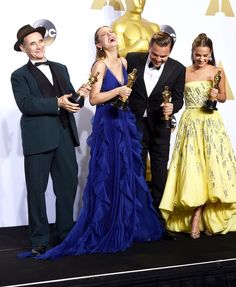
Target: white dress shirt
{"points": [[45, 70], [151, 77]]}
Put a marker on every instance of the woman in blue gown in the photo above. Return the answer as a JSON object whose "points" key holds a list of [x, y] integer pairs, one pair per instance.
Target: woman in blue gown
{"points": [[117, 206]]}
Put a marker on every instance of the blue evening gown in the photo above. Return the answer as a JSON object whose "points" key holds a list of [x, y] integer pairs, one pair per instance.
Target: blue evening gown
{"points": [[117, 205]]}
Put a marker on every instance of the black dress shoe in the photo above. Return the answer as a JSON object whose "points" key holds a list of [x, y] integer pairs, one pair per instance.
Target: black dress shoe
{"points": [[169, 236], [38, 250]]}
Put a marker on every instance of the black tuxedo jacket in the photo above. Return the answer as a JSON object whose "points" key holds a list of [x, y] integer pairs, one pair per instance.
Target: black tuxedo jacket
{"points": [[40, 115], [173, 76]]}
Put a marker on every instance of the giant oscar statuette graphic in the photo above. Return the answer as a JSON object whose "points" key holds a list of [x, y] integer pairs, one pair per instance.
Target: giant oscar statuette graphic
{"points": [[133, 31]]}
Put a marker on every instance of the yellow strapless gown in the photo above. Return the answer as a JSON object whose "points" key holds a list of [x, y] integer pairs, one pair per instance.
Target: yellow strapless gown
{"points": [[202, 169]]}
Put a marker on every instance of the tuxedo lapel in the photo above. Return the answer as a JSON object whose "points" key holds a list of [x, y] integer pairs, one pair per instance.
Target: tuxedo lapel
{"points": [[59, 77], [49, 90], [165, 75], [44, 84], [43, 81], [140, 79]]}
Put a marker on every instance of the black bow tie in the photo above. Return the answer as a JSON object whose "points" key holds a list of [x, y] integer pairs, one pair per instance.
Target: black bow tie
{"points": [[151, 65], [41, 63]]}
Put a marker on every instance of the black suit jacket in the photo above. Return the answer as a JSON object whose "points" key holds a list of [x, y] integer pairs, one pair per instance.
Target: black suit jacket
{"points": [[40, 115], [173, 76]]}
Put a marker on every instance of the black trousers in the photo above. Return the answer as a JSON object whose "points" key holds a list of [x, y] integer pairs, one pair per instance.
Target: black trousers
{"points": [[156, 143], [61, 164]]}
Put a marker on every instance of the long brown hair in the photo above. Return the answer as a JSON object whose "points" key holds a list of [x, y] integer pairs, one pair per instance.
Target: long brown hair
{"points": [[100, 53]]}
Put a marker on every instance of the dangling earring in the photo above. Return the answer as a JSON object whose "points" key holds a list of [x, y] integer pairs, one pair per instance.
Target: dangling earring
{"points": [[100, 49], [210, 58]]}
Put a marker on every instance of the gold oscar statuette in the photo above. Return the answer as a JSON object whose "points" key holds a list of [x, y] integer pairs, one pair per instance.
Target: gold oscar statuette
{"points": [[122, 102], [77, 98], [211, 102], [131, 79], [166, 95]]}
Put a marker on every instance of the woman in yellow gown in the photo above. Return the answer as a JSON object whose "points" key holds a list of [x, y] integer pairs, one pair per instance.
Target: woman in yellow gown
{"points": [[200, 192]]}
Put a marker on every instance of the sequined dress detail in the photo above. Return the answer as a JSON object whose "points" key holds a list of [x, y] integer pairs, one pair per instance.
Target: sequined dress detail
{"points": [[202, 171]]}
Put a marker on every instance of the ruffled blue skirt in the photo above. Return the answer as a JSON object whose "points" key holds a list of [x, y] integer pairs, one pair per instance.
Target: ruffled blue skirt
{"points": [[117, 206]]}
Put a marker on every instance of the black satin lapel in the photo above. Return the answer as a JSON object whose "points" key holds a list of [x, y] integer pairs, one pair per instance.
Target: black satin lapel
{"points": [[44, 84], [140, 79], [165, 75], [59, 77]]}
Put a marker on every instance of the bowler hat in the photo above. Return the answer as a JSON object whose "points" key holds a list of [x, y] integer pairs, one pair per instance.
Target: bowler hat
{"points": [[25, 31]]}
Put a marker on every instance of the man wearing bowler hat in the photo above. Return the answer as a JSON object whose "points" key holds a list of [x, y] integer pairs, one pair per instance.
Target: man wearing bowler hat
{"points": [[49, 135]]}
